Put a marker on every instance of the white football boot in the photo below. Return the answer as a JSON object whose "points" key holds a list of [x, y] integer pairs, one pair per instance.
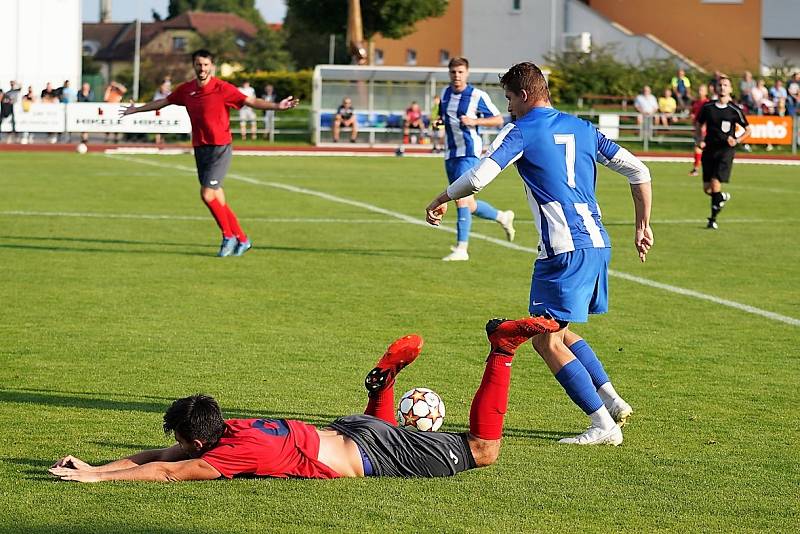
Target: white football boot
{"points": [[458, 254], [620, 411], [596, 436], [506, 220]]}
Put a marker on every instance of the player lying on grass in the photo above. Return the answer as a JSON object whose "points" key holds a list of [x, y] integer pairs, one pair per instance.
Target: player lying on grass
{"points": [[209, 447]]}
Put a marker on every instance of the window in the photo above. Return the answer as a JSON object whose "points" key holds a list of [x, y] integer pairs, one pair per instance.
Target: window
{"points": [[516, 5], [444, 57], [379, 56], [411, 57], [179, 44]]}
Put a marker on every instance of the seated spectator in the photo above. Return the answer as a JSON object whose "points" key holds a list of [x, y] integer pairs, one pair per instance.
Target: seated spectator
{"points": [[793, 90], [86, 94], [778, 91], [412, 119], [746, 89], [113, 95], [437, 126], [666, 108], [682, 89], [345, 118], [49, 95], [646, 103], [760, 95], [66, 93]]}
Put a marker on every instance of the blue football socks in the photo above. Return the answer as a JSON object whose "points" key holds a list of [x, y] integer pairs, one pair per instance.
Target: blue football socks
{"points": [[588, 358], [576, 381], [463, 224], [485, 211]]}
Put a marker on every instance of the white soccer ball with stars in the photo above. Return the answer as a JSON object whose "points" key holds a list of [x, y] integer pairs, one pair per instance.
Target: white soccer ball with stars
{"points": [[421, 409]]}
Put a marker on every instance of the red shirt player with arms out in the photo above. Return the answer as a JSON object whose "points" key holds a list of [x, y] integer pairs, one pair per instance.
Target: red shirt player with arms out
{"points": [[207, 100]]}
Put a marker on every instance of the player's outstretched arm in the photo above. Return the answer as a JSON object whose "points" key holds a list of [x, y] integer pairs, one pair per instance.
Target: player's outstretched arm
{"points": [[194, 469], [150, 106], [642, 200], [170, 454], [258, 103]]}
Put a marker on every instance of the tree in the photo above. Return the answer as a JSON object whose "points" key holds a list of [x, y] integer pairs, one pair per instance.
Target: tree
{"points": [[267, 51], [309, 47], [226, 46], [391, 18], [244, 8]]}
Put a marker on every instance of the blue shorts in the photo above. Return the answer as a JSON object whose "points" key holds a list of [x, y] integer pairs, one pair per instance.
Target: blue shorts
{"points": [[571, 285], [455, 167]]}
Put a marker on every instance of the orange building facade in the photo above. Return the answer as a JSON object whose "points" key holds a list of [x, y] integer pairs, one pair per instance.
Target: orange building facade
{"points": [[716, 35]]}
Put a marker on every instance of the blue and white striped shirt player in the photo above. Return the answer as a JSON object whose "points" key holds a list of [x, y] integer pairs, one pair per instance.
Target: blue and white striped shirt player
{"points": [[555, 154], [464, 140]]}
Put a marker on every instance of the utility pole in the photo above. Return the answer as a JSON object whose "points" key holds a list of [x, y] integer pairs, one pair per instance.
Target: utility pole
{"points": [[355, 33], [137, 59]]}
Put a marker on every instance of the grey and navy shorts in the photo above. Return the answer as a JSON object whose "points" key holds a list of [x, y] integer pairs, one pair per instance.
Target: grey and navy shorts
{"points": [[396, 452], [212, 164]]}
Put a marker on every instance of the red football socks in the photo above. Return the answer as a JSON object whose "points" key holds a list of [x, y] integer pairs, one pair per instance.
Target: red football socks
{"points": [[234, 224], [381, 404], [697, 158], [491, 400], [220, 213]]}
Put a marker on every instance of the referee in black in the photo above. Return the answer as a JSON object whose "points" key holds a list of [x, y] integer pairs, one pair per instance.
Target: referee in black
{"points": [[720, 118]]}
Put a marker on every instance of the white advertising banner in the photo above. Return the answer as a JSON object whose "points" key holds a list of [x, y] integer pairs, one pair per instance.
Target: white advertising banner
{"points": [[100, 117], [38, 118]]}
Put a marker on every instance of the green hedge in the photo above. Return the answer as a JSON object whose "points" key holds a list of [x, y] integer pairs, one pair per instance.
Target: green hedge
{"points": [[297, 84]]}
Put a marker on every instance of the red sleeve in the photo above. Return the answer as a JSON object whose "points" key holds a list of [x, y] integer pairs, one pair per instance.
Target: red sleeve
{"points": [[232, 459], [233, 97], [178, 96]]}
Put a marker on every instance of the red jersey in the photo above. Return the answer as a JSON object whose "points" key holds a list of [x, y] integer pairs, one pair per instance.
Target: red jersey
{"points": [[697, 105], [208, 109], [269, 448]]}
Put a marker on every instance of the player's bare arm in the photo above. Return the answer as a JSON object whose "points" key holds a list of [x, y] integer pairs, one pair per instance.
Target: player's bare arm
{"points": [[487, 122], [258, 103], [194, 469], [642, 200], [437, 209], [150, 106], [698, 135], [733, 141], [169, 454]]}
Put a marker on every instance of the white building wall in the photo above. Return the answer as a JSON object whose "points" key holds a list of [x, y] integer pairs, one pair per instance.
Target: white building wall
{"points": [[40, 42]]}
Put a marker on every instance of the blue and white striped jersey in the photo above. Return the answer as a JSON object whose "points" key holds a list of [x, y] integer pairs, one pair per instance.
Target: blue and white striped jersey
{"points": [[555, 154], [464, 140]]}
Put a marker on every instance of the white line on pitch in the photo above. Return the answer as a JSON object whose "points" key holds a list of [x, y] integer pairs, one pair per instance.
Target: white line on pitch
{"points": [[418, 221]]}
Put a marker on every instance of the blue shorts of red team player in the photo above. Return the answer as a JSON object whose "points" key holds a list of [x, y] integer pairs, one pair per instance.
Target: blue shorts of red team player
{"points": [[455, 167], [571, 285]]}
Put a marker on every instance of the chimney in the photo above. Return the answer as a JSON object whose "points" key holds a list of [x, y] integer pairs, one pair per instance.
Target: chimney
{"points": [[105, 10]]}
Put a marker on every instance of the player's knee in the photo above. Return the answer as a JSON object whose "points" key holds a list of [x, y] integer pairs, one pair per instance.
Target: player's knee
{"points": [[484, 452]]}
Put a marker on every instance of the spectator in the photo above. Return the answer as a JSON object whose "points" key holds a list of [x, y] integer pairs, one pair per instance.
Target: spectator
{"points": [[49, 95], [793, 89], [113, 95], [760, 96], [412, 119], [645, 103], [345, 118], [269, 95], [716, 80], [66, 93], [246, 113], [27, 99], [778, 91], [7, 100], [666, 107], [712, 92], [163, 91], [746, 89], [682, 89], [86, 94]]}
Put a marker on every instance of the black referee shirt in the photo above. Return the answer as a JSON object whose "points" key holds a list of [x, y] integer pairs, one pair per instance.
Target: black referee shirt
{"points": [[720, 122]]}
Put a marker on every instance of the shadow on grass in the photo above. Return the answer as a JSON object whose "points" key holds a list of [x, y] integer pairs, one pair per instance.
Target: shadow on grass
{"points": [[103, 250], [104, 241], [97, 401]]}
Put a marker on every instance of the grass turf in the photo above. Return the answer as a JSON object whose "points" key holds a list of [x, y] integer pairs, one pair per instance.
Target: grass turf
{"points": [[106, 318]]}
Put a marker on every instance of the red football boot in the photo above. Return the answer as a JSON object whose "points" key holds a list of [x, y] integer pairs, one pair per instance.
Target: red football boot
{"points": [[505, 336], [399, 354]]}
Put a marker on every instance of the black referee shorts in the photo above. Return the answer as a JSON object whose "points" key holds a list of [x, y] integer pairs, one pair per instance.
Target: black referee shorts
{"points": [[717, 163], [397, 452]]}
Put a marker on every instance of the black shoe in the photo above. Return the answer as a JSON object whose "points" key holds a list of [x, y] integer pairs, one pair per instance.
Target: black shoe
{"points": [[712, 224]]}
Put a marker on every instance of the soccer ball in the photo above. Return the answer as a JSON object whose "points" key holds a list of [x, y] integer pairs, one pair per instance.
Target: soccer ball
{"points": [[82, 148], [421, 409]]}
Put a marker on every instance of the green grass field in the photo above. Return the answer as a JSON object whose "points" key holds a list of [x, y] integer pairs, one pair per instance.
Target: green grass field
{"points": [[113, 305]]}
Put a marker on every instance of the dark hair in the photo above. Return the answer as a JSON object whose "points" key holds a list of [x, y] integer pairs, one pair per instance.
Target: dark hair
{"points": [[202, 53], [526, 77], [196, 417], [458, 62]]}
